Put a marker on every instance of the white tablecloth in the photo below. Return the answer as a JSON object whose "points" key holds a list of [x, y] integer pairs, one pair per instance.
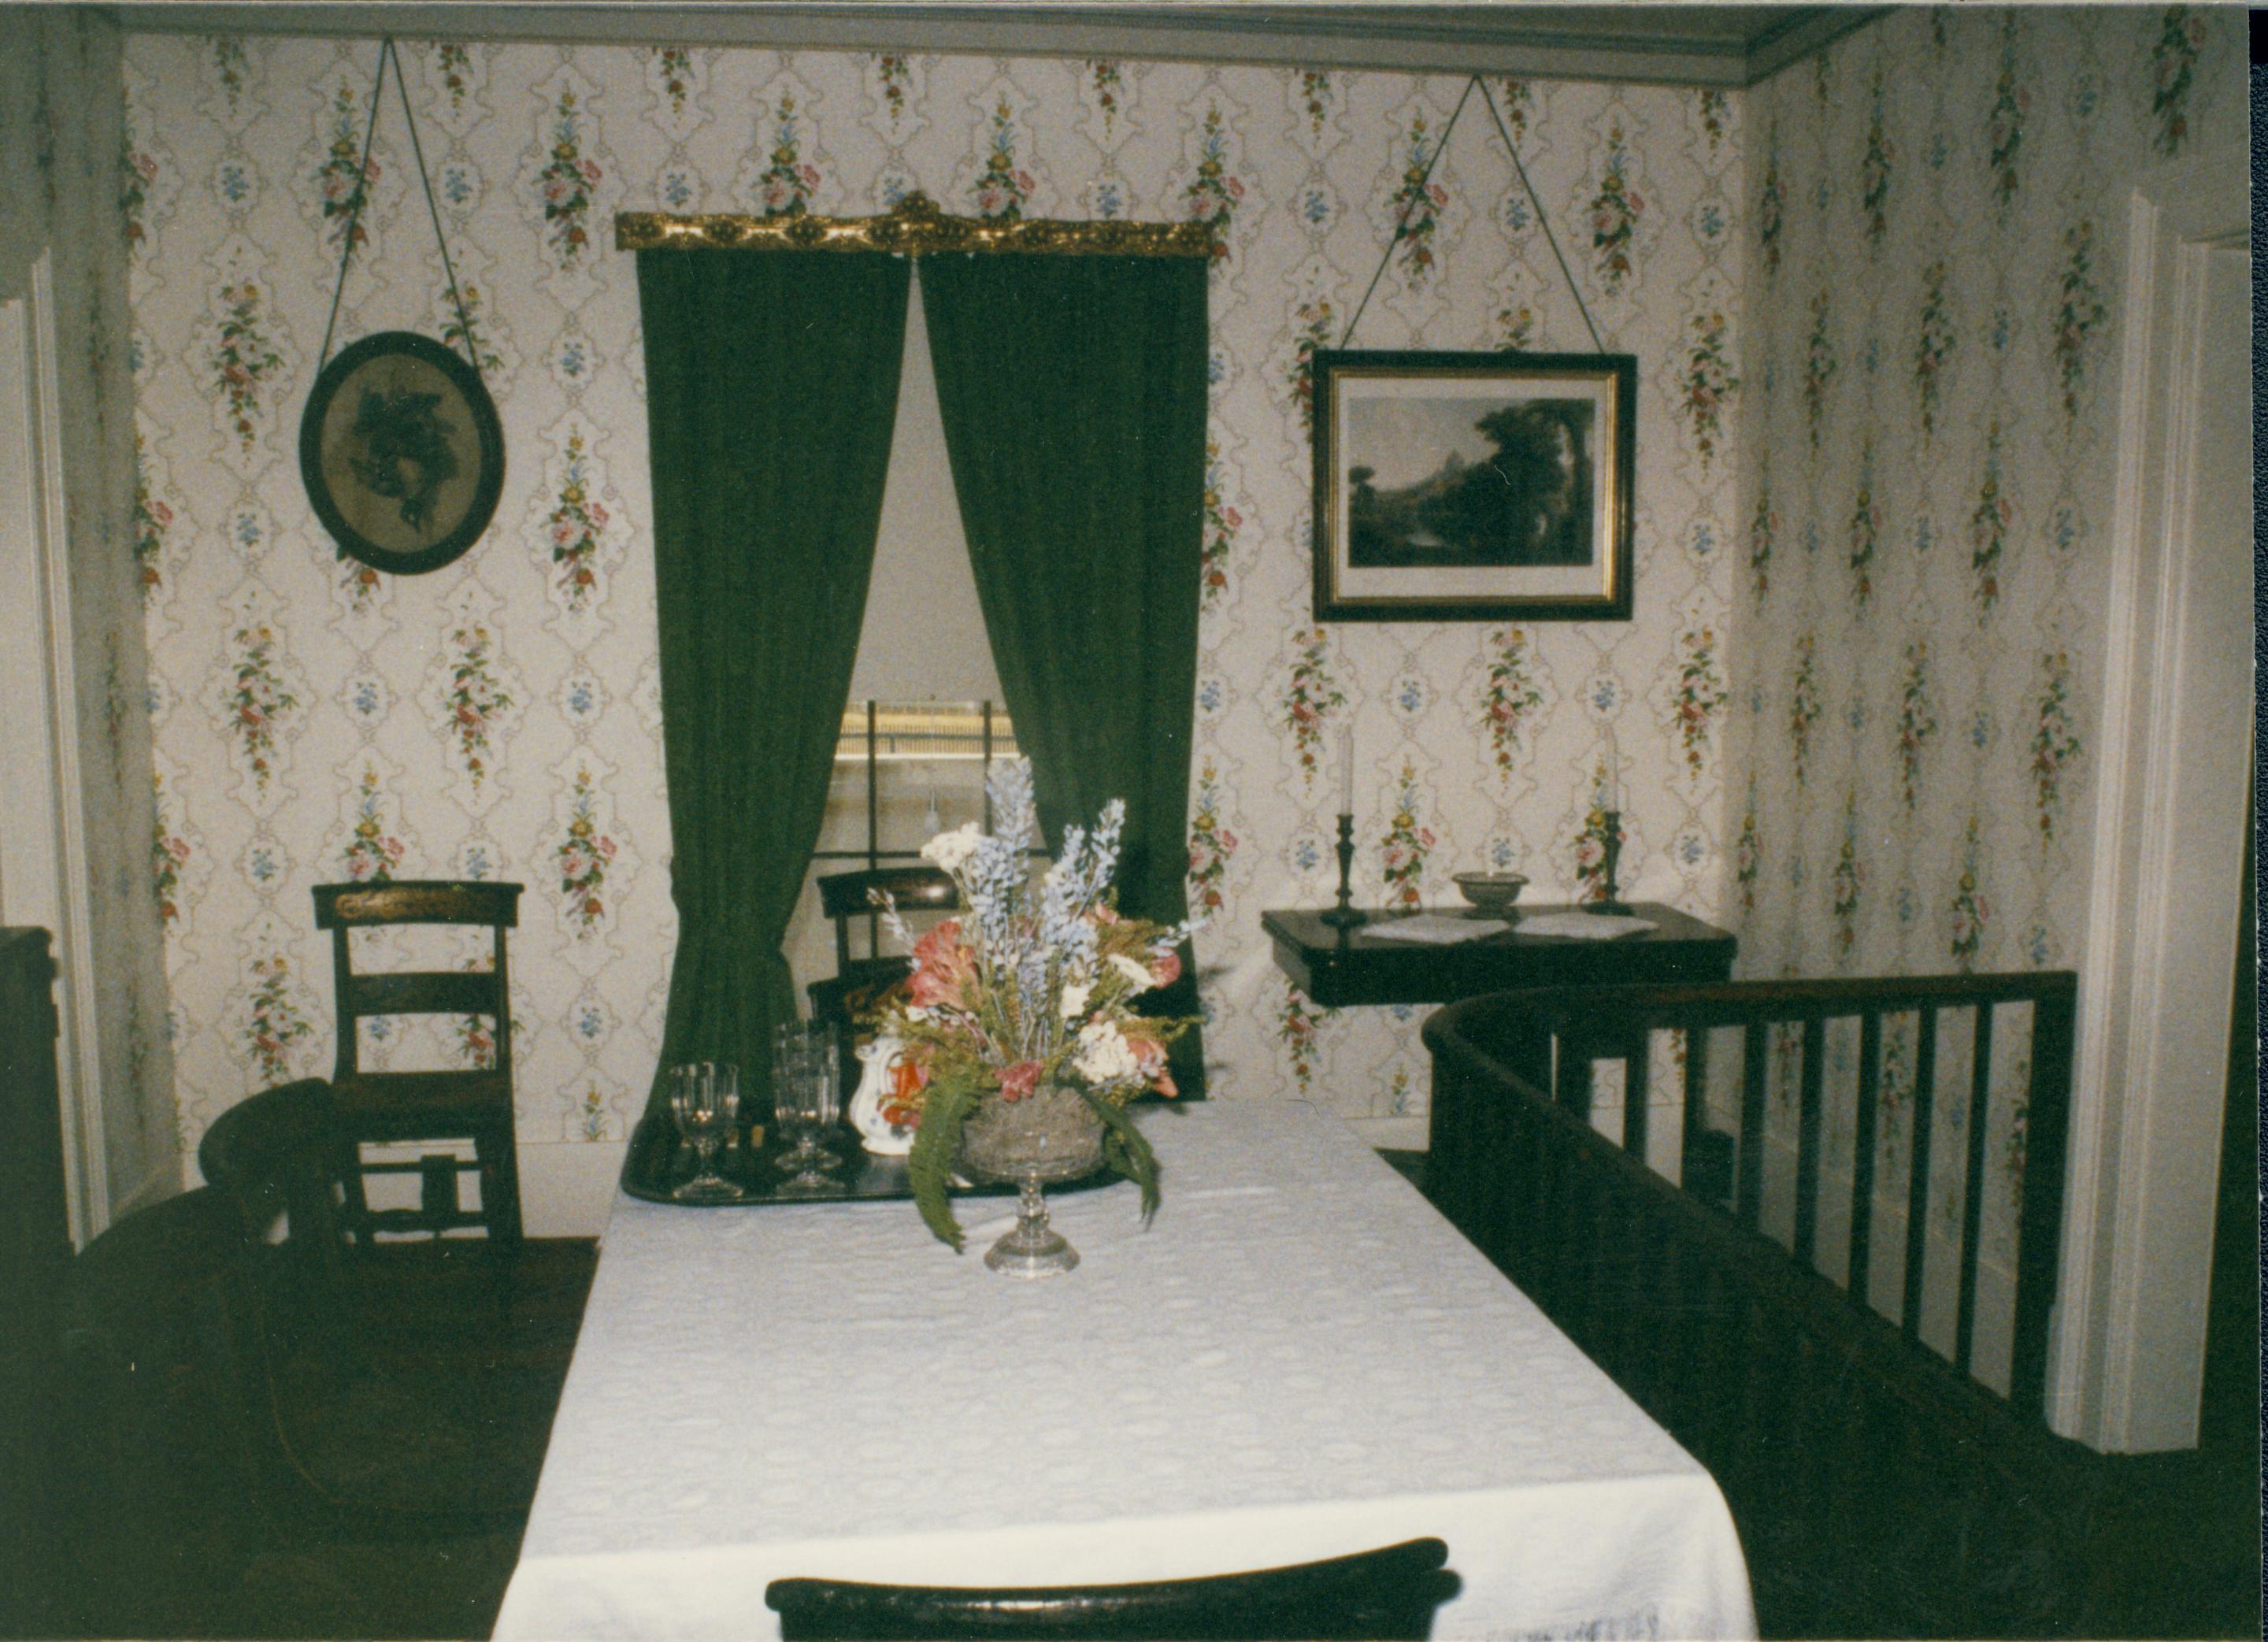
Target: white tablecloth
{"points": [[1297, 1358]]}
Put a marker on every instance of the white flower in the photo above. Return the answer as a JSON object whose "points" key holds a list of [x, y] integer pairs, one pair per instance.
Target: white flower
{"points": [[1137, 975], [1104, 1055], [1074, 1000], [950, 850]]}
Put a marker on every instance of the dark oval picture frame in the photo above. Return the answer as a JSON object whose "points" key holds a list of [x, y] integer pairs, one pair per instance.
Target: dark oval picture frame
{"points": [[401, 453]]}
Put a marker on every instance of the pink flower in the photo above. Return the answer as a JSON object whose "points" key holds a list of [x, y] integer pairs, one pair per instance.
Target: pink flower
{"points": [[1019, 1080], [942, 966], [1167, 970]]}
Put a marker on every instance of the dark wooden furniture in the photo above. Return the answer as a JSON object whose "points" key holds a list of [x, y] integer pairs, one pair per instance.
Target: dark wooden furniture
{"points": [[471, 1104], [347, 1429], [1388, 1593], [859, 984], [34, 1249], [230, 1393], [1878, 1488], [157, 1486], [1338, 969]]}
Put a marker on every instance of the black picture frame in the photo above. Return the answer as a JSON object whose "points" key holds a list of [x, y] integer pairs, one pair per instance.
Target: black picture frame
{"points": [[401, 453], [1527, 519]]}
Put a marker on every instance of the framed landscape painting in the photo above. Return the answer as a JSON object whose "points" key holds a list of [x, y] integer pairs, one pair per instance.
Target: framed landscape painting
{"points": [[1477, 487]]}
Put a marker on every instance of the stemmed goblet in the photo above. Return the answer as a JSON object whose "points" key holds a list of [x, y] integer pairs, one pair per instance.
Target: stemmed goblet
{"points": [[704, 1097], [806, 1093]]}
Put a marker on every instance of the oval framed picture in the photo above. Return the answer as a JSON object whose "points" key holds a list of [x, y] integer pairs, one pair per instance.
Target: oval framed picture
{"points": [[401, 453]]}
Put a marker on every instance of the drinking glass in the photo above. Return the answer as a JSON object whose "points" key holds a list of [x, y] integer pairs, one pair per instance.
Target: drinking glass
{"points": [[807, 1099], [704, 1097]]}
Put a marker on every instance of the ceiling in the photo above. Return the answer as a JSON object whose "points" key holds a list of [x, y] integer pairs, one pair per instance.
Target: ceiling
{"points": [[1662, 43]]}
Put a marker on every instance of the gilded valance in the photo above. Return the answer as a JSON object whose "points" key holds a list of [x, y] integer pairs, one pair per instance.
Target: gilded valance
{"points": [[916, 227]]}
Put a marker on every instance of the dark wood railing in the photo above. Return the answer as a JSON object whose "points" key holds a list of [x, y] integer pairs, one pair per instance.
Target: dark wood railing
{"points": [[1879, 1487]]}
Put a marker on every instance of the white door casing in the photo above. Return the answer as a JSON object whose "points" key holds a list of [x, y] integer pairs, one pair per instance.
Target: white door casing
{"points": [[2175, 741], [43, 857]]}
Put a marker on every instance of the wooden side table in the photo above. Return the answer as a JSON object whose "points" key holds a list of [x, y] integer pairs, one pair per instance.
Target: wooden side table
{"points": [[1338, 969]]}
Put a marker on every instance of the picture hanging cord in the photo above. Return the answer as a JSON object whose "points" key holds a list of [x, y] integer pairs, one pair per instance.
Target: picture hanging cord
{"points": [[1402, 223], [386, 54]]}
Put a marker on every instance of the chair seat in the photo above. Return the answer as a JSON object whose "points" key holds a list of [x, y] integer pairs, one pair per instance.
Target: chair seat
{"points": [[413, 1105]]}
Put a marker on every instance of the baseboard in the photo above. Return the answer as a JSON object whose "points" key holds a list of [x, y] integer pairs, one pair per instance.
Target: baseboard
{"points": [[1392, 1134], [567, 1189]]}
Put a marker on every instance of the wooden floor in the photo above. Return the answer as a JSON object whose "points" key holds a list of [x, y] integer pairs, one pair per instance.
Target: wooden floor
{"points": [[2188, 1558]]}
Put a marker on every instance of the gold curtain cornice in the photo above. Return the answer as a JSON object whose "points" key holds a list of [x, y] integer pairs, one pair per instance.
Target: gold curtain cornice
{"points": [[915, 228]]}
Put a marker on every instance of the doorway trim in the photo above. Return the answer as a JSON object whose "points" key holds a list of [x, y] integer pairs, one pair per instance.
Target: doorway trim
{"points": [[43, 850], [2168, 832]]}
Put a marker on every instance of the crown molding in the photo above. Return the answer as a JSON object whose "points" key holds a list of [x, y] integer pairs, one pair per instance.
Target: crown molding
{"points": [[1714, 46]]}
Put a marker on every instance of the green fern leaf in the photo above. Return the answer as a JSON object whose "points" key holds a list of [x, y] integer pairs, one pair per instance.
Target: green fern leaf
{"points": [[1127, 1151]]}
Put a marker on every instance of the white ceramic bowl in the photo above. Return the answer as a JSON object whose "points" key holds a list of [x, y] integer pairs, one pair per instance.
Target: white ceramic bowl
{"points": [[1491, 892]]}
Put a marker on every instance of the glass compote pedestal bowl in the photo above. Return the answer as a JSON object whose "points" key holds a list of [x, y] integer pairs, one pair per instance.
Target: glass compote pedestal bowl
{"points": [[704, 1097], [1050, 1136]]}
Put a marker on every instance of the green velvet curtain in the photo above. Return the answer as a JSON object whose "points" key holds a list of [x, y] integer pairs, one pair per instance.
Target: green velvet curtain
{"points": [[772, 391], [1074, 396]]}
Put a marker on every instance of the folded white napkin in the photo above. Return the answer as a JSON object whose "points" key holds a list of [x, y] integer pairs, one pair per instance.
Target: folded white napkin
{"points": [[1583, 925], [1436, 929]]}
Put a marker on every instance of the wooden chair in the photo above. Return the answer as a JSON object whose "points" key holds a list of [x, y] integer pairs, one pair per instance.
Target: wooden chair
{"points": [[350, 1421], [474, 1105], [860, 984], [1384, 1593]]}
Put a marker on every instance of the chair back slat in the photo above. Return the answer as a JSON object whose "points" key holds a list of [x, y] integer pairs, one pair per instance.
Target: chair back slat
{"points": [[1924, 1125], [1972, 1187], [848, 894], [418, 900], [422, 993], [1860, 1272]]}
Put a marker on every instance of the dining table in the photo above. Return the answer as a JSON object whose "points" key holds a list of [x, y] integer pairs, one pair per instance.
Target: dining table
{"points": [[1295, 1357]]}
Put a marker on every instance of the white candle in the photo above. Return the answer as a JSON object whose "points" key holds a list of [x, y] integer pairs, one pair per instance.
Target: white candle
{"points": [[1612, 801], [1346, 770]]}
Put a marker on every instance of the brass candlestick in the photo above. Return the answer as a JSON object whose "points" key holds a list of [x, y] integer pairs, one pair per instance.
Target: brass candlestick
{"points": [[1343, 915], [1612, 844]]}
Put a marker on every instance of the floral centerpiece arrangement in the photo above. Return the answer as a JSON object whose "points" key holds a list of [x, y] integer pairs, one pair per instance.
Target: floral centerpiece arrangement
{"points": [[1028, 997]]}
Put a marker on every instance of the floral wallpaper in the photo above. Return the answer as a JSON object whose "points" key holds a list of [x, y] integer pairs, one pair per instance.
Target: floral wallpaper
{"points": [[1872, 310], [65, 182], [1938, 211], [314, 721]]}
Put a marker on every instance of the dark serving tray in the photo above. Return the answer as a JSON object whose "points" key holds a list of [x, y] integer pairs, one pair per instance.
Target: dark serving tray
{"points": [[659, 1161]]}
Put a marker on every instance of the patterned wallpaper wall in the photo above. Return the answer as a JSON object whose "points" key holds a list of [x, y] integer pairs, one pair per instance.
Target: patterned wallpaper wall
{"points": [[501, 718], [1938, 217], [62, 135]]}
